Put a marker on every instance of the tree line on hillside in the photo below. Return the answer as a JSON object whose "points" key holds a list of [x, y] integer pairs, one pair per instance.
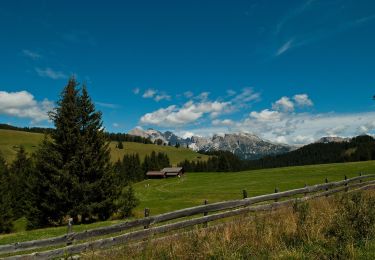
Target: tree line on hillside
{"points": [[70, 174], [219, 161], [360, 148]]}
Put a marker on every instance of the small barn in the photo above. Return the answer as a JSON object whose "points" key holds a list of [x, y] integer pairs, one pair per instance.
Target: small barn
{"points": [[173, 171], [155, 174]]}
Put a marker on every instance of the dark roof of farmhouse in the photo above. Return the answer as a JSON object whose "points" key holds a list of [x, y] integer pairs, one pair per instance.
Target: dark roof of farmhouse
{"points": [[154, 173], [172, 169]]}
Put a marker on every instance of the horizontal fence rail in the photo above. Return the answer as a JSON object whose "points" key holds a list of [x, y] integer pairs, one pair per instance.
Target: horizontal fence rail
{"points": [[243, 206]]}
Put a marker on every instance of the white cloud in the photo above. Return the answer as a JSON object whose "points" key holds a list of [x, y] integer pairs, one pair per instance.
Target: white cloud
{"points": [[246, 95], [159, 97], [187, 134], [136, 91], [178, 116], [225, 122], [203, 96], [283, 104], [31, 54], [303, 100], [188, 94], [149, 93], [50, 73], [22, 104], [231, 92], [266, 115], [156, 95]]}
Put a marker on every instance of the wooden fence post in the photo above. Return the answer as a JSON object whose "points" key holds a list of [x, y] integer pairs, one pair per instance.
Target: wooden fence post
{"points": [[244, 194], [276, 191], [346, 184], [326, 181], [205, 224], [147, 213], [305, 194], [360, 174], [69, 231]]}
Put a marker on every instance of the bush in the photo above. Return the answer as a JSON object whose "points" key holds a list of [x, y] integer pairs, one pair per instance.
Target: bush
{"points": [[126, 201]]}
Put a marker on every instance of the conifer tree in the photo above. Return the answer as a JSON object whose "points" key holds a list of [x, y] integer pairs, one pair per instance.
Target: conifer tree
{"points": [[75, 166], [6, 212], [21, 181]]}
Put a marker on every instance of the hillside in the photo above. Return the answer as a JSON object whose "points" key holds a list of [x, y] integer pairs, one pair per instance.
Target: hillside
{"points": [[10, 140]]}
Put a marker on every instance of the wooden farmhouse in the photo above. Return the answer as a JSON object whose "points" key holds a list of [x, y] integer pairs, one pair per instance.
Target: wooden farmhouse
{"points": [[166, 172]]}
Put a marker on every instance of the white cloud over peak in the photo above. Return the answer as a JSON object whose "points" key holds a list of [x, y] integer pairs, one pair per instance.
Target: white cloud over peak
{"points": [[225, 122], [266, 115], [178, 116], [22, 104]]}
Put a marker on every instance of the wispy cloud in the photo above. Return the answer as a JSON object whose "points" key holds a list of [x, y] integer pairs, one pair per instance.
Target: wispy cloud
{"points": [[31, 54], [136, 91], [294, 12], [156, 95], [285, 47], [314, 29], [50, 73], [107, 105]]}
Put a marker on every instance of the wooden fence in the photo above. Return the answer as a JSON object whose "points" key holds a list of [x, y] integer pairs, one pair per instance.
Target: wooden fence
{"points": [[221, 210]]}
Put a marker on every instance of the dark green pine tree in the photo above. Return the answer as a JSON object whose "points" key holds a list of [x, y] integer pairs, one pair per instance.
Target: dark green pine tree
{"points": [[73, 166], [66, 143], [96, 178], [6, 211], [51, 191], [21, 183]]}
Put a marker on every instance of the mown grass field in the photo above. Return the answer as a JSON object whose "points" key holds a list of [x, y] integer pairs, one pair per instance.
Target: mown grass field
{"points": [[164, 195], [10, 141]]}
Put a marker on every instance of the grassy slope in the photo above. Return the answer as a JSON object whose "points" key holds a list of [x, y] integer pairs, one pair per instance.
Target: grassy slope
{"points": [[163, 195], [10, 140]]}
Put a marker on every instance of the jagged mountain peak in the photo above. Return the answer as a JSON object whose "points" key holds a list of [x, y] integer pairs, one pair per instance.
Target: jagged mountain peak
{"points": [[244, 145]]}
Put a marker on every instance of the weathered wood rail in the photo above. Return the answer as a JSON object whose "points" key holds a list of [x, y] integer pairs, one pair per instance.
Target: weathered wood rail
{"points": [[235, 207]]}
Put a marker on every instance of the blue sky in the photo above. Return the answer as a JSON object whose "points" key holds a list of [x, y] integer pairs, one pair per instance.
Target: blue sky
{"points": [[289, 71]]}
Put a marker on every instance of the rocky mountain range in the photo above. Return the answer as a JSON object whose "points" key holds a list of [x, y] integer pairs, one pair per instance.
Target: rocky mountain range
{"points": [[244, 145]]}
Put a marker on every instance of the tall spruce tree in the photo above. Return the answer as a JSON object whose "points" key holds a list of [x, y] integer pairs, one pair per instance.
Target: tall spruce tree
{"points": [[74, 165], [96, 175]]}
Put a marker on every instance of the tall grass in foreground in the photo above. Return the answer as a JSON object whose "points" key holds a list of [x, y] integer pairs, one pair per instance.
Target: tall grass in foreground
{"points": [[342, 227]]}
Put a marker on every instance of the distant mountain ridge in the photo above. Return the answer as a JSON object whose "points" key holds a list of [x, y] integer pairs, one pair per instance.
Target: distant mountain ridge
{"points": [[244, 145], [333, 139]]}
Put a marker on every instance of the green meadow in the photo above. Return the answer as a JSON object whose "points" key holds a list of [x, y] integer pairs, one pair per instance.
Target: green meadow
{"points": [[164, 195]]}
